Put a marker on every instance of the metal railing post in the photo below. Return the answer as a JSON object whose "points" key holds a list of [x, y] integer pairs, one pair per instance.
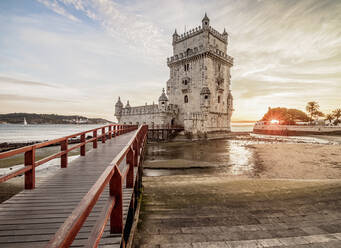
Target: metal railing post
{"points": [[83, 146], [63, 158], [116, 216], [30, 176]]}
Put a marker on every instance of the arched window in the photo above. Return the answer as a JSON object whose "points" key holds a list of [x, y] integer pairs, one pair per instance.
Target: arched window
{"points": [[218, 99], [206, 96], [186, 99]]}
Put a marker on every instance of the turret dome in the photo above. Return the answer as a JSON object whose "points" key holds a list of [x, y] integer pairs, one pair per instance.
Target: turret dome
{"points": [[163, 96], [119, 104]]}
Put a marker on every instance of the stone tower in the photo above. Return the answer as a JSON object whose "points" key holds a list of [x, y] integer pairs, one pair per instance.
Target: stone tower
{"points": [[199, 81]]}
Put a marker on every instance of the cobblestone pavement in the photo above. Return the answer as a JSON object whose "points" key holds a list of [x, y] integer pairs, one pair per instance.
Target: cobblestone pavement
{"points": [[213, 211]]}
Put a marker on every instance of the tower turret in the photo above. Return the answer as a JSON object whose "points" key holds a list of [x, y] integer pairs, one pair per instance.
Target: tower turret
{"points": [[163, 101], [175, 36], [118, 109], [205, 21], [225, 34]]}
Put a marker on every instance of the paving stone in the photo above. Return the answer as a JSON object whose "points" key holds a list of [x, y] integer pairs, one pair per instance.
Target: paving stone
{"points": [[320, 238], [313, 230], [293, 241], [269, 242], [244, 244], [177, 245], [210, 245]]}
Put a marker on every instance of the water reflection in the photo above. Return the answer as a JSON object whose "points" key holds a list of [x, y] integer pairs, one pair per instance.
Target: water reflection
{"points": [[241, 158]]}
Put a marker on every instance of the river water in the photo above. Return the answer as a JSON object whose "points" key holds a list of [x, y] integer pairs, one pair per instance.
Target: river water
{"points": [[17, 133]]}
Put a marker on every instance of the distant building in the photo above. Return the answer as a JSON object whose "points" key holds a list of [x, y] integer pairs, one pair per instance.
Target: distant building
{"points": [[199, 94]]}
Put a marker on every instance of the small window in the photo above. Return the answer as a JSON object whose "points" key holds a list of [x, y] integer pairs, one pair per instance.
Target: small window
{"points": [[218, 99], [186, 99], [206, 96], [185, 82], [186, 67], [163, 103]]}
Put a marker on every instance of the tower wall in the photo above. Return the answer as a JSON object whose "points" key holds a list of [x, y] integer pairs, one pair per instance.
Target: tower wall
{"points": [[200, 60]]}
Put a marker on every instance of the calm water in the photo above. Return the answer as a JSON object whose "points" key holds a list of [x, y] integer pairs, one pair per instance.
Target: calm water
{"points": [[229, 156], [20, 133]]}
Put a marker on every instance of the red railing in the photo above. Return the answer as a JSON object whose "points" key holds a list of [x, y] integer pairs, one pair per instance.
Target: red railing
{"points": [[113, 209], [30, 163]]}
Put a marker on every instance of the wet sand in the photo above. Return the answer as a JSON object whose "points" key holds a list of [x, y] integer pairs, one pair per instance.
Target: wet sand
{"points": [[298, 161]]}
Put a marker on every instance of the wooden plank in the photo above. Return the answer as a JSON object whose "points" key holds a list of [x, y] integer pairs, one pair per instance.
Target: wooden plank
{"points": [[32, 217]]}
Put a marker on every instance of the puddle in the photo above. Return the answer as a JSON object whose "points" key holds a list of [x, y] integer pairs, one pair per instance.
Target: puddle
{"points": [[231, 157]]}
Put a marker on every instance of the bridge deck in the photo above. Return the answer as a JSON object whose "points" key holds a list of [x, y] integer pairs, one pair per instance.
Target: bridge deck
{"points": [[31, 218]]}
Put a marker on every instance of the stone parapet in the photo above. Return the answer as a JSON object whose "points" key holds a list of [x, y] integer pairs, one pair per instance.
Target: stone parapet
{"points": [[200, 51]]}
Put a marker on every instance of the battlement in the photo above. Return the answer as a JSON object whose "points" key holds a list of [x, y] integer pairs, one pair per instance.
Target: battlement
{"points": [[147, 109], [197, 30], [198, 51]]}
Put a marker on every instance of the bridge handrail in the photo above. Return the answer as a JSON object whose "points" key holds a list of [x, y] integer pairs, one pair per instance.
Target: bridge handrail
{"points": [[133, 152], [29, 151]]}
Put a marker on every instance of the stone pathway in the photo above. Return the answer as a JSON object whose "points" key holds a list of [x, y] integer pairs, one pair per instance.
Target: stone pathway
{"points": [[217, 211]]}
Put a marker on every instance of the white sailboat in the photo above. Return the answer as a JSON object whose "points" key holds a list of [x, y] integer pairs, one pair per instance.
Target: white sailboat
{"points": [[25, 122]]}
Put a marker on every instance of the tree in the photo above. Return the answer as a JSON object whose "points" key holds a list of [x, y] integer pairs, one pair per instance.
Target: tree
{"points": [[313, 108], [285, 116], [337, 115], [329, 117]]}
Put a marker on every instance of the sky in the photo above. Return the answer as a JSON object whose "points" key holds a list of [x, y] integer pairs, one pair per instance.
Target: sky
{"points": [[77, 56]]}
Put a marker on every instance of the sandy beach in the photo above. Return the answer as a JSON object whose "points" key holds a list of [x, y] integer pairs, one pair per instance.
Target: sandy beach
{"points": [[298, 161]]}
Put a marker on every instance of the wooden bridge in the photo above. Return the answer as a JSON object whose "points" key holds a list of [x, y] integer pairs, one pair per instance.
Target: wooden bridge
{"points": [[163, 132], [90, 202]]}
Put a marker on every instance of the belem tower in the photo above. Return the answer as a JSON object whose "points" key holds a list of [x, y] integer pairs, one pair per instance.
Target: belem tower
{"points": [[198, 92]]}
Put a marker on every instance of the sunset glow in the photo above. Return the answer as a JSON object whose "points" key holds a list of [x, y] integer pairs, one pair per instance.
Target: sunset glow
{"points": [[274, 121]]}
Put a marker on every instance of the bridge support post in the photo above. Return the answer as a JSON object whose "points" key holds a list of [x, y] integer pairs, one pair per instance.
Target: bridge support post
{"points": [[63, 158], [30, 176], [94, 143], [110, 134], [114, 131], [116, 216], [136, 151], [103, 135], [83, 146], [131, 162]]}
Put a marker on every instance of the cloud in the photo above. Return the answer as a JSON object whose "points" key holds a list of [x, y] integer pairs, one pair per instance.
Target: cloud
{"points": [[27, 99], [24, 82], [55, 7]]}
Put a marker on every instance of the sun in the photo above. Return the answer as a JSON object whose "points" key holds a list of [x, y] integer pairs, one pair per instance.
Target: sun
{"points": [[274, 121]]}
